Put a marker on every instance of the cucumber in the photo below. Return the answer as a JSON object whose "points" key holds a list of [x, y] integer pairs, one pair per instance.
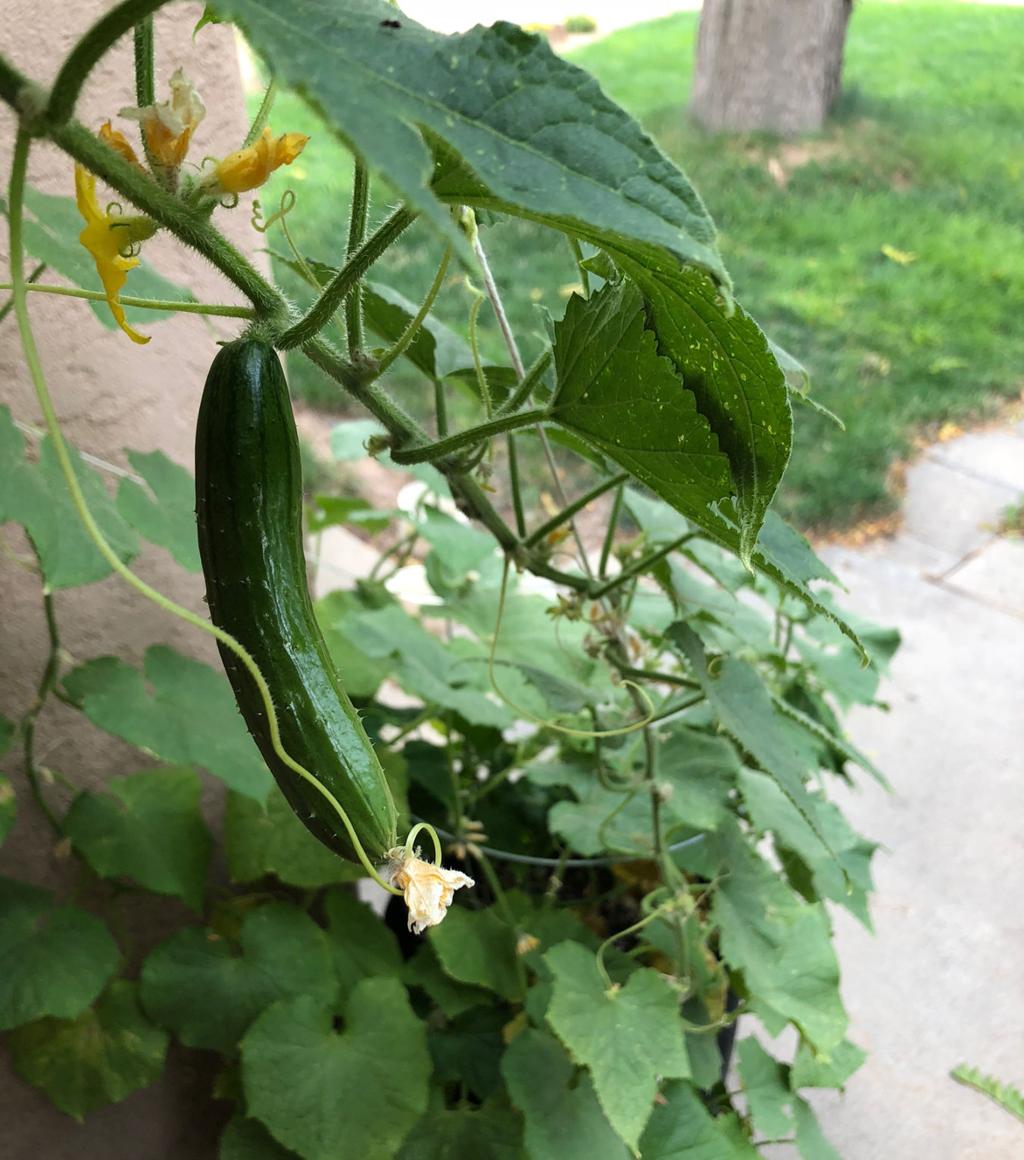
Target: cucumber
{"points": [[249, 514]]}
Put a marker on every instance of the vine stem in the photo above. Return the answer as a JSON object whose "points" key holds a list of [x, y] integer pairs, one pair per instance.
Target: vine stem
{"points": [[145, 87], [571, 509], [443, 448], [335, 292], [47, 684], [358, 216], [34, 364], [262, 114], [215, 310]]}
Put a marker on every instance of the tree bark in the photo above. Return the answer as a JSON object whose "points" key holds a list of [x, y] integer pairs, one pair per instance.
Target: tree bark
{"points": [[769, 65]]}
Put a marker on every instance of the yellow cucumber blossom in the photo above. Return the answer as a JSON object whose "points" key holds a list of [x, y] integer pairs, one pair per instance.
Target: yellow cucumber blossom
{"points": [[250, 167], [110, 239], [168, 126], [428, 889], [118, 142]]}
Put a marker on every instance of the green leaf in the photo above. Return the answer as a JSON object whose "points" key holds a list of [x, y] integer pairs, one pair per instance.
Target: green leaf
{"points": [[424, 971], [189, 719], [1008, 1097], [829, 1071], [616, 392], [628, 1037], [782, 946], [539, 137], [328, 511], [325, 1094], [36, 496], [768, 1094], [562, 1116], [491, 1131], [478, 947], [809, 1137], [361, 945], [468, 1050], [843, 876], [460, 547], [269, 839], [99, 1058], [701, 771], [739, 387], [337, 613], [52, 237], [164, 511], [245, 1139], [348, 440], [8, 807], [745, 711], [682, 1129], [148, 827], [198, 987], [54, 960]]}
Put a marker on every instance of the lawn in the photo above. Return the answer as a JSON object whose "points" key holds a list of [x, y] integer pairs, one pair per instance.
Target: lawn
{"points": [[886, 252]]}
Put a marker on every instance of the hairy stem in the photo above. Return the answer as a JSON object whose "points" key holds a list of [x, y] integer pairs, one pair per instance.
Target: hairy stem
{"points": [[335, 292], [404, 340], [443, 448], [259, 122], [358, 216], [220, 311], [567, 513], [47, 683]]}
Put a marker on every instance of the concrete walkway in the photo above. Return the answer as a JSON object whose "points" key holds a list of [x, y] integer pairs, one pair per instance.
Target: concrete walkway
{"points": [[943, 980]]}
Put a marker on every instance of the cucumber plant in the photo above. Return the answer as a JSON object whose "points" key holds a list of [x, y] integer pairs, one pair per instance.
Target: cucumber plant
{"points": [[624, 676]]}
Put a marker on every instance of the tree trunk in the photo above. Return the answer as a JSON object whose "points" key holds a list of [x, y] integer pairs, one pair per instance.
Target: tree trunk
{"points": [[771, 65]]}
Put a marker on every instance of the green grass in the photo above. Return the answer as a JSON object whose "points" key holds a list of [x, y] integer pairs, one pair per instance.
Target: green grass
{"points": [[924, 156]]}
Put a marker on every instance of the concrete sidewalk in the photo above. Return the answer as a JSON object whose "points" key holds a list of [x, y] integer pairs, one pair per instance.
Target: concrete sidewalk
{"points": [[943, 980]]}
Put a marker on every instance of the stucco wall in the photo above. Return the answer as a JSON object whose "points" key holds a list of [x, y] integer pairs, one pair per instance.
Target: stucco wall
{"points": [[110, 394]]}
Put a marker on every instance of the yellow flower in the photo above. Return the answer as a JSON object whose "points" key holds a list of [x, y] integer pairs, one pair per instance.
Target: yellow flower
{"points": [[428, 889], [106, 237], [118, 142], [168, 126], [250, 167]]}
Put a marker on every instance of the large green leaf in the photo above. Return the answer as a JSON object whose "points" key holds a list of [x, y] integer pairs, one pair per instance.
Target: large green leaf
{"points": [[190, 718], [147, 827], [54, 960], [809, 1137], [782, 946], [163, 511], [562, 1115], [828, 1071], [105, 1054], [615, 391], [844, 875], [768, 1095], [198, 987], [425, 972], [491, 1131], [745, 711], [269, 839], [628, 1036], [361, 945], [538, 136], [325, 1094], [245, 1139], [36, 496], [724, 359], [478, 947], [682, 1129]]}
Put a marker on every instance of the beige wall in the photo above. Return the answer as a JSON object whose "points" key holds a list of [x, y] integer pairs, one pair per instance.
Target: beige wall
{"points": [[110, 394]]}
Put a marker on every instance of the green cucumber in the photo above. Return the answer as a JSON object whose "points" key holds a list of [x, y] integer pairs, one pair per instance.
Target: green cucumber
{"points": [[249, 513]]}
